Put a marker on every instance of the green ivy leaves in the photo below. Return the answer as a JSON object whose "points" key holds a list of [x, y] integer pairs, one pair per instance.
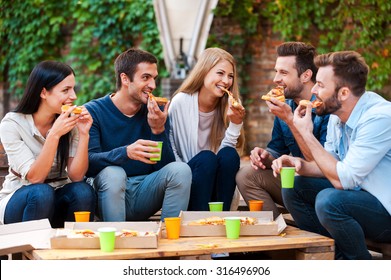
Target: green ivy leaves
{"points": [[89, 34], [86, 34]]}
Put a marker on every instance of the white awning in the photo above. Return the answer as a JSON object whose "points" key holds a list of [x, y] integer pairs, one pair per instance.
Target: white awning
{"points": [[186, 20]]}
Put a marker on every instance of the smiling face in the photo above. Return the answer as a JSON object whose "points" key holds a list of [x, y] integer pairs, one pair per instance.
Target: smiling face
{"points": [[60, 94], [144, 82], [326, 90], [288, 77], [220, 76]]}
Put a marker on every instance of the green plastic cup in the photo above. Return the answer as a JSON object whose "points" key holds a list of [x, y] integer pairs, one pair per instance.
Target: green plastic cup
{"points": [[216, 206], [232, 227], [159, 145], [107, 238], [287, 177]]}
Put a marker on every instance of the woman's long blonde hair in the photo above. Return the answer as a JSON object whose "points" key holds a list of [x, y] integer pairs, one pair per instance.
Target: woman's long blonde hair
{"points": [[193, 83]]}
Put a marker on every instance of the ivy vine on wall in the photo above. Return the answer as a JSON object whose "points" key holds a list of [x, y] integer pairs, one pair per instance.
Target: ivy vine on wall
{"points": [[89, 34], [330, 25]]}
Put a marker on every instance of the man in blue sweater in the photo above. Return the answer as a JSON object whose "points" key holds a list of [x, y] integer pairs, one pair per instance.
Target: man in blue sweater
{"points": [[127, 125]]}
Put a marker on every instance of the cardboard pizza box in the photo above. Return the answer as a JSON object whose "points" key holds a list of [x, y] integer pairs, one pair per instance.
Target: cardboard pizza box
{"points": [[66, 239], [25, 236], [265, 224]]}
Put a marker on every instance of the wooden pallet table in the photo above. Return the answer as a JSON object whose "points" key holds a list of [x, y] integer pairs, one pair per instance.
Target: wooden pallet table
{"points": [[305, 245]]}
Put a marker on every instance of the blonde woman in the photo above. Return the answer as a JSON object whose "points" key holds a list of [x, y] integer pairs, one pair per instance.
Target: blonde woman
{"points": [[206, 129]]}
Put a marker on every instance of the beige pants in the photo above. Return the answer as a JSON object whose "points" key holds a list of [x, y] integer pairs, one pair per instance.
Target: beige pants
{"points": [[260, 185]]}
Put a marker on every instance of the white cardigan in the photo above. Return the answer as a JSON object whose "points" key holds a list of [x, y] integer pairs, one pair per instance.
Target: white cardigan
{"points": [[183, 114]]}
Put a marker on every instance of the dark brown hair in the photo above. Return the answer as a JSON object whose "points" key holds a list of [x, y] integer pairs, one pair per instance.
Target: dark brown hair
{"points": [[47, 74], [128, 61], [350, 69], [304, 53]]}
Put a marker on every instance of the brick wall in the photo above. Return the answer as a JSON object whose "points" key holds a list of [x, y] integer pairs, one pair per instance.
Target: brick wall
{"points": [[259, 121]]}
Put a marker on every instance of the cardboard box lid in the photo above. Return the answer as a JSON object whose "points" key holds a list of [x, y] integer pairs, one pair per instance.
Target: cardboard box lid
{"points": [[61, 241], [265, 225], [24, 236], [140, 226], [262, 216]]}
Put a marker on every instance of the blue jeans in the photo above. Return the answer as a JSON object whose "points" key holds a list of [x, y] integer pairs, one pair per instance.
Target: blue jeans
{"points": [[213, 178], [41, 201], [137, 198], [347, 216]]}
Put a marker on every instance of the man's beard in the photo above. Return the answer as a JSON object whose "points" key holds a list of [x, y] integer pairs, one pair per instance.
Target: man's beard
{"points": [[330, 105], [291, 93]]}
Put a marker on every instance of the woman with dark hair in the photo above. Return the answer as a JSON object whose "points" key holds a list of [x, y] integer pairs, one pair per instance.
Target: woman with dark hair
{"points": [[206, 128], [47, 151]]}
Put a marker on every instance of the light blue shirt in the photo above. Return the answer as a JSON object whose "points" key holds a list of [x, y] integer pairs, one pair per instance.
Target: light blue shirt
{"points": [[363, 147]]}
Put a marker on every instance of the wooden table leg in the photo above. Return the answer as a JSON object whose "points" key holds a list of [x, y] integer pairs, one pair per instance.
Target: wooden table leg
{"points": [[316, 253], [197, 257]]}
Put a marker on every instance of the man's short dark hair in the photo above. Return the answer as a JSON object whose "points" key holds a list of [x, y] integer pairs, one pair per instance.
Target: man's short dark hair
{"points": [[128, 61], [304, 53], [349, 68]]}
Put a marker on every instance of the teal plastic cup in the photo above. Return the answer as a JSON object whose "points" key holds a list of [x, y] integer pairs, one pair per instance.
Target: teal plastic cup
{"points": [[159, 157], [287, 177], [232, 227], [107, 238], [216, 206]]}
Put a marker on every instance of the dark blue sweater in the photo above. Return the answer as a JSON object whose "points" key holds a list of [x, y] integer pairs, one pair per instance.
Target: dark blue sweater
{"points": [[112, 132]]}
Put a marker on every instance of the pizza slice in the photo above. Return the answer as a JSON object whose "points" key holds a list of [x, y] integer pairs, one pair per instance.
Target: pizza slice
{"points": [[161, 101], [82, 233], [76, 110], [215, 220], [248, 221], [128, 233], [304, 103], [199, 222], [314, 104], [231, 97], [277, 92]]}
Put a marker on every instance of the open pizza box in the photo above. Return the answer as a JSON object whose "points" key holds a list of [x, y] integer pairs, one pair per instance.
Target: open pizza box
{"points": [[264, 225], [25, 236], [67, 239]]}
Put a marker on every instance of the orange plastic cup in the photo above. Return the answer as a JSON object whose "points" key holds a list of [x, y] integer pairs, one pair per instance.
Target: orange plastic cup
{"points": [[255, 205], [82, 216], [173, 227]]}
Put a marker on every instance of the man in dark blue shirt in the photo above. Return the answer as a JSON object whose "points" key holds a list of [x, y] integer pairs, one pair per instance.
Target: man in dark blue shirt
{"points": [[296, 72], [123, 137]]}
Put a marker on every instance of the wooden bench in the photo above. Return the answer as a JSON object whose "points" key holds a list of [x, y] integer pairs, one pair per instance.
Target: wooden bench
{"points": [[382, 248]]}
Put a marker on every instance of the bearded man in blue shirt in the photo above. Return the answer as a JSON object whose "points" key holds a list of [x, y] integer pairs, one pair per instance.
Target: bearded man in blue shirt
{"points": [[344, 192], [295, 72]]}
